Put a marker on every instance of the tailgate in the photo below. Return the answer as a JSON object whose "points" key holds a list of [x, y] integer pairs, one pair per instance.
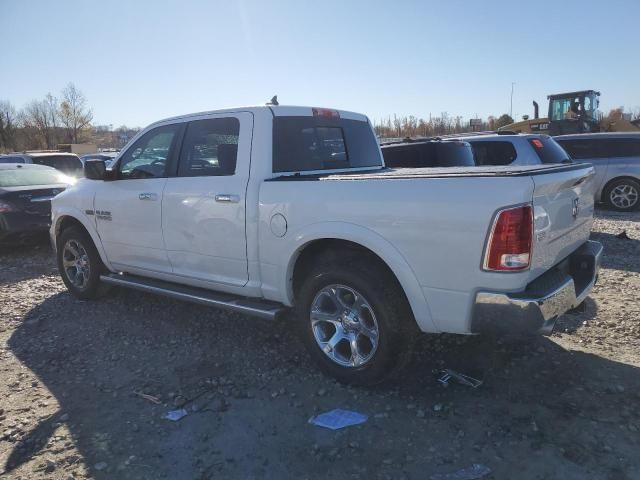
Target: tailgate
{"points": [[563, 213]]}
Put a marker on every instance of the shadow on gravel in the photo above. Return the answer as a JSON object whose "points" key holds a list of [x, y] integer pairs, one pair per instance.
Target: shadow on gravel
{"points": [[542, 411], [621, 253], [574, 319], [23, 261]]}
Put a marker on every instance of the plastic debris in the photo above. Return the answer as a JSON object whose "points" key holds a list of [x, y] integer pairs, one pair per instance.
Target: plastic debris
{"points": [[151, 398], [473, 472], [175, 415], [337, 419], [460, 378]]}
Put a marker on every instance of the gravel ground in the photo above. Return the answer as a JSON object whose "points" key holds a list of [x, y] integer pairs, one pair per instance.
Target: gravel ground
{"points": [[85, 386]]}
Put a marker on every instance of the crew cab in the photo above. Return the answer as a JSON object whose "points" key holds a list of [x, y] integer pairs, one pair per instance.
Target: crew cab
{"points": [[269, 209]]}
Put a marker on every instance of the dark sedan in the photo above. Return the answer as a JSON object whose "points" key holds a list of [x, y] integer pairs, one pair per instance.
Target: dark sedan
{"points": [[26, 191]]}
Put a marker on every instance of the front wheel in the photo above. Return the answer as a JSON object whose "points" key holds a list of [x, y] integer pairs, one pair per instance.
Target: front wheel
{"points": [[79, 263], [356, 321], [623, 195]]}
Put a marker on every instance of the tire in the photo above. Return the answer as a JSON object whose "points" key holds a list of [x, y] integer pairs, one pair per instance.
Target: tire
{"points": [[75, 239], [382, 307], [623, 195]]}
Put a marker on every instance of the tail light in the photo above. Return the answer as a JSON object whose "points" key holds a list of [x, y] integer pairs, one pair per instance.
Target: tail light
{"points": [[509, 247], [5, 207]]}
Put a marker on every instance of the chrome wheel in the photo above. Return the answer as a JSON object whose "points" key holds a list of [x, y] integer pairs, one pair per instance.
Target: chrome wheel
{"points": [[344, 325], [624, 196], [75, 262]]}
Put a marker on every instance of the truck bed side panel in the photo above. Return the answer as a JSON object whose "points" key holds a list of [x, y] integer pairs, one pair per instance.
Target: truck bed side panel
{"points": [[437, 225]]}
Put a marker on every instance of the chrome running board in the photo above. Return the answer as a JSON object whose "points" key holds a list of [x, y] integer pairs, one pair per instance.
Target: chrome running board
{"points": [[248, 306]]}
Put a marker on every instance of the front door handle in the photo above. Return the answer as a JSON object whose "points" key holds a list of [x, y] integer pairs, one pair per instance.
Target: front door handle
{"points": [[227, 198], [148, 196]]}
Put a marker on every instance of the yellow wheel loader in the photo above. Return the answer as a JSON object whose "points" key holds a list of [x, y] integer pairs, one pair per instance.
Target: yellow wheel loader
{"points": [[571, 112]]}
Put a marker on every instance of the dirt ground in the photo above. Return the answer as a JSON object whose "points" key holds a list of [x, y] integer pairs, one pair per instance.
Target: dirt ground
{"points": [[85, 386]]}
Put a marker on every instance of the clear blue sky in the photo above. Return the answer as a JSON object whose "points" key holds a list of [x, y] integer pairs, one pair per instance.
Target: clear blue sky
{"points": [[139, 61]]}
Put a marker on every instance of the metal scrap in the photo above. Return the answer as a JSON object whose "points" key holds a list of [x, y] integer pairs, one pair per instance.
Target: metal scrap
{"points": [[448, 375]]}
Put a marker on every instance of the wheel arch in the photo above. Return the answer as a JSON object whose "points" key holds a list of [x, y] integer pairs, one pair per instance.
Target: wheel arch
{"points": [[69, 219], [358, 239]]}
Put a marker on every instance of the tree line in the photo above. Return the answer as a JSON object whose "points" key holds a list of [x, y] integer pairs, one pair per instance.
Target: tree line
{"points": [[50, 121], [46, 122], [445, 124]]}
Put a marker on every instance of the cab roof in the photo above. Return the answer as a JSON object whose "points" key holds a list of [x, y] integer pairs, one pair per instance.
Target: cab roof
{"points": [[276, 111]]}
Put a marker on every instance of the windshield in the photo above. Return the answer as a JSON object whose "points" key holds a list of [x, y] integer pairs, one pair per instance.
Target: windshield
{"points": [[32, 176], [581, 105]]}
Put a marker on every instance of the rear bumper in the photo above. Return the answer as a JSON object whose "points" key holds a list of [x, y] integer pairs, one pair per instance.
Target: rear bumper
{"points": [[15, 225], [536, 309]]}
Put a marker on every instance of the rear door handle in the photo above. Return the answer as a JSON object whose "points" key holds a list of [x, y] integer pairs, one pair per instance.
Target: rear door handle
{"points": [[227, 198], [148, 196]]}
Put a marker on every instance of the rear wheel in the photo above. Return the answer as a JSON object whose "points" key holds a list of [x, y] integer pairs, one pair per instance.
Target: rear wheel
{"points": [[623, 195], [356, 321], [79, 263]]}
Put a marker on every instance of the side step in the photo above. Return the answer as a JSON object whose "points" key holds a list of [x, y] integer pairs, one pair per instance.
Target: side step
{"points": [[257, 308]]}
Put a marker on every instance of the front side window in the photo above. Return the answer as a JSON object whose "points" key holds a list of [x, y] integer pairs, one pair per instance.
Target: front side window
{"points": [[210, 148], [307, 144], [148, 156]]}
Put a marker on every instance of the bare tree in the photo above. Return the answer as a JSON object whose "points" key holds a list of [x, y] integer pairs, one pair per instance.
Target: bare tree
{"points": [[74, 113], [42, 117], [8, 126]]}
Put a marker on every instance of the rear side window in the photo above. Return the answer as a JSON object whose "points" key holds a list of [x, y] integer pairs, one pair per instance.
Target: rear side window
{"points": [[65, 163], [548, 150], [581, 149], [621, 147], [309, 143], [11, 160], [494, 153], [210, 148], [602, 147]]}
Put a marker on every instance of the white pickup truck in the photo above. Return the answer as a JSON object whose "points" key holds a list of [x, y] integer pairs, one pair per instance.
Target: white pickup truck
{"points": [[267, 209]]}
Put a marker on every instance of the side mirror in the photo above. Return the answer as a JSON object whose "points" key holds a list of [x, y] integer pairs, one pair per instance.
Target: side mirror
{"points": [[95, 169]]}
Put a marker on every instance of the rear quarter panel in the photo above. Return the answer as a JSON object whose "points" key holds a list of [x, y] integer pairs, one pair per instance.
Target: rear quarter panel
{"points": [[431, 232]]}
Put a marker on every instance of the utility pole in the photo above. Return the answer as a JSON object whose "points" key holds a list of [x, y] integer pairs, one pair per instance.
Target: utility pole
{"points": [[511, 102]]}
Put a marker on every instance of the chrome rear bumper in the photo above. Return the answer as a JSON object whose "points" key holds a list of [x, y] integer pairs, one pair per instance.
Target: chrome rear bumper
{"points": [[536, 309]]}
